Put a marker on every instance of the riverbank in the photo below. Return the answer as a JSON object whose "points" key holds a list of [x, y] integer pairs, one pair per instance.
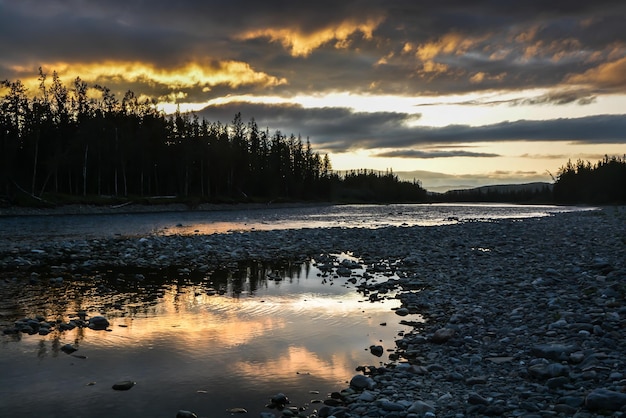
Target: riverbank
{"points": [[523, 317], [129, 208]]}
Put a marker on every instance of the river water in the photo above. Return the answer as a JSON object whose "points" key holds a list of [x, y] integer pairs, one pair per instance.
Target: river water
{"points": [[17, 228], [207, 342]]}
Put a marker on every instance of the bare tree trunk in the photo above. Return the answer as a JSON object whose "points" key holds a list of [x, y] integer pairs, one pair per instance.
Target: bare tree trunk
{"points": [[124, 179], [186, 181], [202, 178], [85, 171], [156, 181], [32, 188]]}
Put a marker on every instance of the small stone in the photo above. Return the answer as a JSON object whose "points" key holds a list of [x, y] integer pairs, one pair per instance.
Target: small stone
{"points": [[543, 371], [476, 399], [557, 352], [500, 360], [443, 335], [557, 382], [420, 408], [386, 405], [367, 396], [476, 380]]}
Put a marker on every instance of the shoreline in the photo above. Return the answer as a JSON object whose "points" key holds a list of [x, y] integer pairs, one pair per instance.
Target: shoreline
{"points": [[135, 208], [523, 317]]}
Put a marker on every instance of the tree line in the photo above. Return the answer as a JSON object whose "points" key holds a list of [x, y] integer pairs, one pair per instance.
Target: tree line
{"points": [[535, 195], [65, 141], [575, 183], [601, 183]]}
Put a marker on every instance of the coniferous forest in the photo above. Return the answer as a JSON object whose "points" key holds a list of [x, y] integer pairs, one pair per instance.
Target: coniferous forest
{"points": [[66, 141], [600, 183]]}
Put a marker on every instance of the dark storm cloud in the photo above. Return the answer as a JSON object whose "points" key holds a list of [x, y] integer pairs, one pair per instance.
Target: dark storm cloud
{"points": [[399, 47], [340, 129]]}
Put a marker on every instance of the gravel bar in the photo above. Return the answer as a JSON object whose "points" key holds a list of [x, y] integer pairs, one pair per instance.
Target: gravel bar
{"points": [[523, 318]]}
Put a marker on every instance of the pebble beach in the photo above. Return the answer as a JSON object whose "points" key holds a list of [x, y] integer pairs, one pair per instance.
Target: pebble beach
{"points": [[521, 318]]}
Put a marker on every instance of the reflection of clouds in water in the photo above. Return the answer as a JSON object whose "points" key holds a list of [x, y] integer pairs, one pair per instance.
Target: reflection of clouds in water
{"points": [[298, 361]]}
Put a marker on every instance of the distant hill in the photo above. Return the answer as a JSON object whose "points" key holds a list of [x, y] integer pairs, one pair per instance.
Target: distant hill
{"points": [[506, 188]]}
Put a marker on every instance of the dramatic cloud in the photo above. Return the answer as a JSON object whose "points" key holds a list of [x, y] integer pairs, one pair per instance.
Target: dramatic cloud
{"points": [[403, 47], [302, 44]]}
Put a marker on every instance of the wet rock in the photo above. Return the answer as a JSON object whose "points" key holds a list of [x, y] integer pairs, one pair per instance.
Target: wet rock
{"points": [[98, 323], [402, 311], [377, 350], [360, 382]]}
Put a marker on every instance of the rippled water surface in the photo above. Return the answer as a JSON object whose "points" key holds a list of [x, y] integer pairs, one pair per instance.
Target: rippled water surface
{"points": [[273, 217], [207, 343]]}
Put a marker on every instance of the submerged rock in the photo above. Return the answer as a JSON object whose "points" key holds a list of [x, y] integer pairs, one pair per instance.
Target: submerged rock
{"points": [[185, 414], [68, 348], [124, 385], [279, 400]]}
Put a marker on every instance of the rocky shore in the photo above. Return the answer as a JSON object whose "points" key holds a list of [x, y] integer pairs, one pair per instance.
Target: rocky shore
{"points": [[524, 318]]}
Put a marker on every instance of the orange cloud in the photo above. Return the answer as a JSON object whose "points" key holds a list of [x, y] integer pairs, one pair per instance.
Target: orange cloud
{"points": [[193, 74], [449, 44], [611, 75], [302, 44]]}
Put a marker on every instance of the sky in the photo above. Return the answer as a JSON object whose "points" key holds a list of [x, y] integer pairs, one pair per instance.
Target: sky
{"points": [[453, 93]]}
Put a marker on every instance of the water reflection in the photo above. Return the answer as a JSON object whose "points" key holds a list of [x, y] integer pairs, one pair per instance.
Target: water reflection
{"points": [[199, 341]]}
